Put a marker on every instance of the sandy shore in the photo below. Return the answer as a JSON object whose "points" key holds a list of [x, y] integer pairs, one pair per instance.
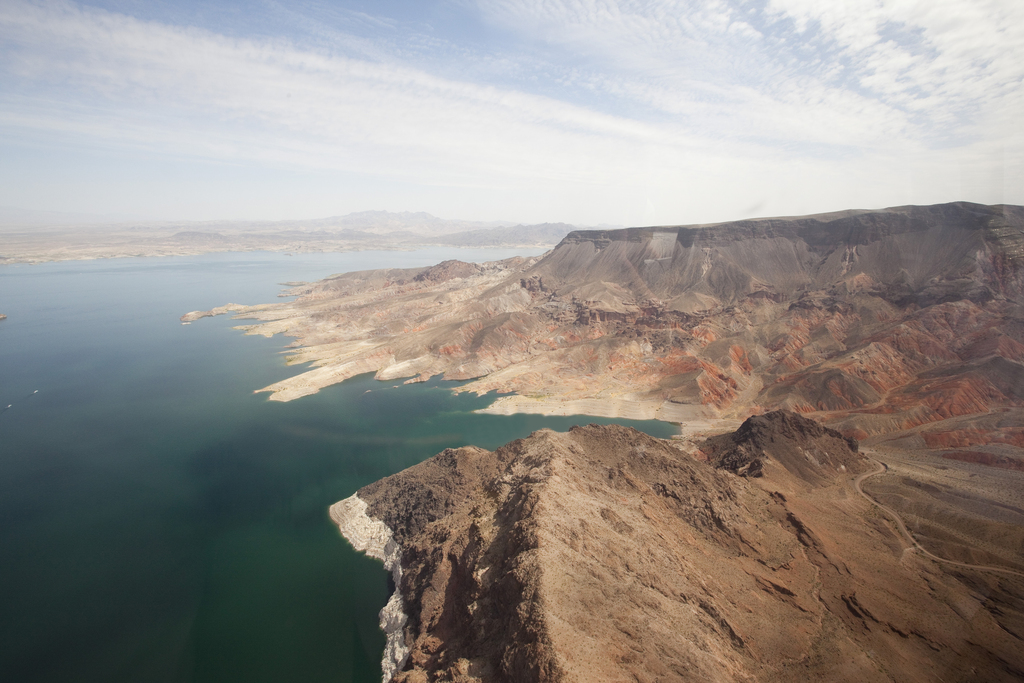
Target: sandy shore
{"points": [[693, 419]]}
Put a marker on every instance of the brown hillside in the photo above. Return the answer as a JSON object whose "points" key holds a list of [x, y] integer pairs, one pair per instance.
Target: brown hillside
{"points": [[875, 321], [603, 554]]}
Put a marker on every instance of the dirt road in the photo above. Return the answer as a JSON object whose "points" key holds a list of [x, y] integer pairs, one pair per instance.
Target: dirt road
{"points": [[882, 467]]}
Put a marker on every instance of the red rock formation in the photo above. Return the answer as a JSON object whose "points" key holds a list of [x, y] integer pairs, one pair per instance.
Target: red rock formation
{"points": [[915, 313]]}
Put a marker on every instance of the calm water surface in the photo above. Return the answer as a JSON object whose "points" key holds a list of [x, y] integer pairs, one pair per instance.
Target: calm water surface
{"points": [[159, 521]]}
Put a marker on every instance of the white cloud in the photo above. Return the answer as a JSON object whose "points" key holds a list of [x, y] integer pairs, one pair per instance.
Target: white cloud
{"points": [[924, 71], [803, 107], [949, 62], [325, 110]]}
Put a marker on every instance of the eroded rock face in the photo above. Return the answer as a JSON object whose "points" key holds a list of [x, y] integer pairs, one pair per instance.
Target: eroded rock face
{"points": [[603, 554]]}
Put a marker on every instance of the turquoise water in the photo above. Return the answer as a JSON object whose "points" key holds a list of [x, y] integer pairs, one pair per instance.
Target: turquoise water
{"points": [[158, 520]]}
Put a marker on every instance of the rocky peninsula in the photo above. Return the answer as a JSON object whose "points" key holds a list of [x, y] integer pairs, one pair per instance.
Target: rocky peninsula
{"points": [[603, 554], [905, 321]]}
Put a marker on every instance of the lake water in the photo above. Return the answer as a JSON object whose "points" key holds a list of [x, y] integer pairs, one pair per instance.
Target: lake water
{"points": [[158, 520]]}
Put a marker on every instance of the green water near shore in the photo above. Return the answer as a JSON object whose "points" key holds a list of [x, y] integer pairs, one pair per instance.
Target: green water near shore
{"points": [[159, 521]]}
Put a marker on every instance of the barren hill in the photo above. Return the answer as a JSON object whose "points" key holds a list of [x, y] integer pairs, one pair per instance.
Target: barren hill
{"points": [[876, 321], [604, 554]]}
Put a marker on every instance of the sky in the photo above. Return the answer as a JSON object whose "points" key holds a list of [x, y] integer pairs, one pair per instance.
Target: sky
{"points": [[583, 111]]}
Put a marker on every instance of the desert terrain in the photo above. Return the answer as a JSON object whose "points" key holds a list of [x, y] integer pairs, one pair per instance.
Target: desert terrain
{"points": [[905, 321], [902, 329], [603, 554]]}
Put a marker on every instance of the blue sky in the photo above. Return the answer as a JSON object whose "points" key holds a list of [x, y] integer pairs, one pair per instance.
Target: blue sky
{"points": [[584, 111]]}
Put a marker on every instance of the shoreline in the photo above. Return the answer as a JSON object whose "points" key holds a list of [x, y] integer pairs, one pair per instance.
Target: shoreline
{"points": [[39, 258], [373, 538], [692, 419]]}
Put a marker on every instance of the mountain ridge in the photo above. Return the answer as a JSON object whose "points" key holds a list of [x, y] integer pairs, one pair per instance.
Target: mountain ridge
{"points": [[604, 554]]}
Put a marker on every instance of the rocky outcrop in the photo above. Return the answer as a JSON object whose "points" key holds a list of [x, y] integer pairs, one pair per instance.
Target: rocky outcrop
{"points": [[603, 554], [803, 447], [447, 270], [192, 316]]}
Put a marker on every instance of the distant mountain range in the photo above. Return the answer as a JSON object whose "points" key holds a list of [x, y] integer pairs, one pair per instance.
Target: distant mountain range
{"points": [[35, 236]]}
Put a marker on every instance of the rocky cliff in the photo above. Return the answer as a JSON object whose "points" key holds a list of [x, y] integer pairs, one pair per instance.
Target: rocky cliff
{"points": [[603, 554]]}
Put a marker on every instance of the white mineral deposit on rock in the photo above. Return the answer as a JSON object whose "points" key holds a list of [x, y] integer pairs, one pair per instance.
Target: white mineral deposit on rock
{"points": [[374, 538]]}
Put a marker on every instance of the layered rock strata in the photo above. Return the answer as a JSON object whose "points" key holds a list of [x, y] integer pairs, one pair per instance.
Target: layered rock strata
{"points": [[603, 554], [879, 322]]}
